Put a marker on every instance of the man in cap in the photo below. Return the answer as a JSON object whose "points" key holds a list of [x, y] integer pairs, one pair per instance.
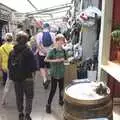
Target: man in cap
{"points": [[45, 40]]}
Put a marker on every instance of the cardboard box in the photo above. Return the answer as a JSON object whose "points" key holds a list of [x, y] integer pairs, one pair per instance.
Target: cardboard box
{"points": [[70, 73]]}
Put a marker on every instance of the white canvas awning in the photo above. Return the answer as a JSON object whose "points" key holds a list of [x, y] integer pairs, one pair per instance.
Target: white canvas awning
{"points": [[25, 6], [40, 9]]}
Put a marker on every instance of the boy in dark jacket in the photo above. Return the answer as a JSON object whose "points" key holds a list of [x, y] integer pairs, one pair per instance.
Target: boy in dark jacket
{"points": [[22, 67]]}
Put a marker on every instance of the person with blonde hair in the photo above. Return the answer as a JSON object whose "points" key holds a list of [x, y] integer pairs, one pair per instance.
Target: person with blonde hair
{"points": [[5, 49], [56, 58]]}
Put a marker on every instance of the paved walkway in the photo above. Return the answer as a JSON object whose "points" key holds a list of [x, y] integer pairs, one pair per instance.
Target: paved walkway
{"points": [[41, 95]]}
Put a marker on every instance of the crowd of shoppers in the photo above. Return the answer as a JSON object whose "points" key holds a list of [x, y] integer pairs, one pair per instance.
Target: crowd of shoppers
{"points": [[20, 60]]}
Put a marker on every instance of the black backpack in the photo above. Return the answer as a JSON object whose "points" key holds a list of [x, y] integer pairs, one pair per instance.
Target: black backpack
{"points": [[46, 39], [15, 66]]}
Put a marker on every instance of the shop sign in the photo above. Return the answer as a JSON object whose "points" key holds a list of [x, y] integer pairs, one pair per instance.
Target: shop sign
{"points": [[4, 14]]}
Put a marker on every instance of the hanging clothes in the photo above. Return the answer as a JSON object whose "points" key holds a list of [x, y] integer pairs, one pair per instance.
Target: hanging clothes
{"points": [[75, 33]]}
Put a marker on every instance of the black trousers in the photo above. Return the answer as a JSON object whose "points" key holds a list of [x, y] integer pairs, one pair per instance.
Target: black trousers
{"points": [[53, 89], [4, 77], [24, 88]]}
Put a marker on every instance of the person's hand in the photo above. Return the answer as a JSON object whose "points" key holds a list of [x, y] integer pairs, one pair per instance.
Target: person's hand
{"points": [[33, 75], [0, 69], [44, 51], [59, 60], [62, 59], [5, 70]]}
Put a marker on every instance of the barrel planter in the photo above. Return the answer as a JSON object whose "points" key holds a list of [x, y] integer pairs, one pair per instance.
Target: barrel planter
{"points": [[82, 102]]}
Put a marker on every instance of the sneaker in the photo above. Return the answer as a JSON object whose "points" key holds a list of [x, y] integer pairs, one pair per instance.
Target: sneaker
{"points": [[3, 83], [27, 117], [21, 116], [46, 84], [48, 108], [61, 102], [43, 84], [3, 103]]}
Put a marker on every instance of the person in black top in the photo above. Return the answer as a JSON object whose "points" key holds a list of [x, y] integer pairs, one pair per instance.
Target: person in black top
{"points": [[29, 34], [22, 67]]}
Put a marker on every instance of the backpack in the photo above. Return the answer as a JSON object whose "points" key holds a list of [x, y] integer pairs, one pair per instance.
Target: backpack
{"points": [[46, 39], [15, 66]]}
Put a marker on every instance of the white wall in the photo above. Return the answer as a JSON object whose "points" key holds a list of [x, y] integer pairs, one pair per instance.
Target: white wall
{"points": [[89, 38]]}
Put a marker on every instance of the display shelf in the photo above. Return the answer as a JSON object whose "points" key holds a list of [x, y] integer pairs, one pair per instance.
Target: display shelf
{"points": [[113, 69]]}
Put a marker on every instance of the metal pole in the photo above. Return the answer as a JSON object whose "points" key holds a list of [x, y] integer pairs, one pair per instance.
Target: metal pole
{"points": [[32, 5]]}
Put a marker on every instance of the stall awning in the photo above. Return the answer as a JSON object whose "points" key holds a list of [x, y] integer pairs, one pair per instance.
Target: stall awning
{"points": [[30, 5]]}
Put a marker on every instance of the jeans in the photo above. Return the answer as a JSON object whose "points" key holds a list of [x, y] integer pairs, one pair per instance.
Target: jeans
{"points": [[4, 77], [24, 88]]}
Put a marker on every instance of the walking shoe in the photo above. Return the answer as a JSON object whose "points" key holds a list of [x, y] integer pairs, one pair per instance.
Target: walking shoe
{"points": [[21, 116], [3, 103], [48, 108], [3, 83], [27, 117], [61, 102], [43, 84], [46, 84]]}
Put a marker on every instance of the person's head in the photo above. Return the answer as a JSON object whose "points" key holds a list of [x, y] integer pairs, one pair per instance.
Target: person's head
{"points": [[8, 37], [28, 33], [21, 37], [46, 26], [60, 40], [20, 26]]}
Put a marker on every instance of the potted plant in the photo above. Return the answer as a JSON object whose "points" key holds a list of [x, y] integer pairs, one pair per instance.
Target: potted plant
{"points": [[116, 38]]}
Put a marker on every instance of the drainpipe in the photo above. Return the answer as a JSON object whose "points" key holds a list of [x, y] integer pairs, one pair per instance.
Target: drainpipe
{"points": [[99, 21], [81, 5], [100, 4]]}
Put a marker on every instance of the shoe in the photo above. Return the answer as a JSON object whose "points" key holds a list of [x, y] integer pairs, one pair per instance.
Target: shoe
{"points": [[27, 117], [3, 83], [48, 108], [3, 103], [21, 116], [43, 84], [61, 102], [46, 84]]}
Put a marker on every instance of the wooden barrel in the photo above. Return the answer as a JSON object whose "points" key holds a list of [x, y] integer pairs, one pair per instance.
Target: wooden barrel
{"points": [[82, 102]]}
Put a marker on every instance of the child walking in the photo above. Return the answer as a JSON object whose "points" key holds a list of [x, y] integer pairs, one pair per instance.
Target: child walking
{"points": [[56, 57]]}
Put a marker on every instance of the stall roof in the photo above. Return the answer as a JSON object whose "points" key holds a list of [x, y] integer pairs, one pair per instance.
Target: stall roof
{"points": [[25, 6], [7, 7]]}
